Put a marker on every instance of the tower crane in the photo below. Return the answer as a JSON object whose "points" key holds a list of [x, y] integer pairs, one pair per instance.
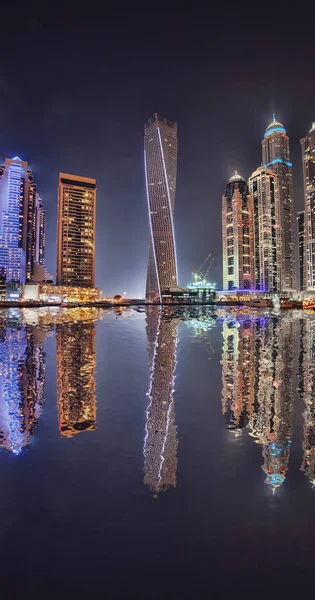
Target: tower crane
{"points": [[201, 274]]}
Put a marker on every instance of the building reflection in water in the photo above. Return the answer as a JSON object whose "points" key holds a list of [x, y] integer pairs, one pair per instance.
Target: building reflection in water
{"points": [[160, 444], [76, 365], [22, 379], [307, 391], [259, 363]]}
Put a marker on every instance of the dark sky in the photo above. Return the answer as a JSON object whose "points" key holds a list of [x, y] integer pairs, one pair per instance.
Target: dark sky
{"points": [[77, 85]]}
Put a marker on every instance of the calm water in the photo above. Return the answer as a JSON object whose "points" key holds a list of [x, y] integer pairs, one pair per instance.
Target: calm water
{"points": [[156, 454]]}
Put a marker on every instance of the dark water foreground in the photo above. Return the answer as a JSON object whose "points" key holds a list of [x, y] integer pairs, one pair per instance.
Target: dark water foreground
{"points": [[157, 454]]}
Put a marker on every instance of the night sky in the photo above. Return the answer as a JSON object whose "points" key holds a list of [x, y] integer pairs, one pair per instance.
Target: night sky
{"points": [[76, 87]]}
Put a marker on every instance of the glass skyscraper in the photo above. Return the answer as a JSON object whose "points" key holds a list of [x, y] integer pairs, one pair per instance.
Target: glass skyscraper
{"points": [[237, 236], [276, 156], [17, 220], [308, 158], [160, 162]]}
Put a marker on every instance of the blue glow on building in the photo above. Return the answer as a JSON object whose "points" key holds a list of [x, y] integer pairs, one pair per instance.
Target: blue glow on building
{"points": [[279, 160], [273, 129], [11, 251]]}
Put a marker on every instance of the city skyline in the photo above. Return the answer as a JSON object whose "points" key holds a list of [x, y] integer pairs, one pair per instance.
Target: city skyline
{"points": [[270, 145]]}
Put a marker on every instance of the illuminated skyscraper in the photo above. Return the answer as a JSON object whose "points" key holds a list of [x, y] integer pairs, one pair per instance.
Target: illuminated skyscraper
{"points": [[308, 158], [263, 186], [237, 236], [276, 156], [75, 355], [300, 219], [40, 224], [160, 163], [160, 444], [76, 231], [17, 220]]}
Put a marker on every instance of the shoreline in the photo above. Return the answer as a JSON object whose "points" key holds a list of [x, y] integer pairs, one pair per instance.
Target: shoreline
{"points": [[15, 304]]}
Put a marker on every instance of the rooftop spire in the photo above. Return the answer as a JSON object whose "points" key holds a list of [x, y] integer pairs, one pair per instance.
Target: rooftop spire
{"points": [[273, 117], [236, 177]]}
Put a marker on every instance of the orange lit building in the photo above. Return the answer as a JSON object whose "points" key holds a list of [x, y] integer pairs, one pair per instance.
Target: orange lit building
{"points": [[76, 231]]}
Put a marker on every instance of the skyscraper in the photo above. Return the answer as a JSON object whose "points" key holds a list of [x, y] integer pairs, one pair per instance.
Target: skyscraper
{"points": [[276, 156], [237, 236], [308, 158], [40, 224], [17, 220], [300, 219], [160, 163], [76, 231], [263, 185]]}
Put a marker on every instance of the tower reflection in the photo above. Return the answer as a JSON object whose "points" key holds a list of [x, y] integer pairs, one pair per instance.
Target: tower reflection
{"points": [[238, 373], [259, 361], [160, 444], [22, 380], [76, 365], [307, 390]]}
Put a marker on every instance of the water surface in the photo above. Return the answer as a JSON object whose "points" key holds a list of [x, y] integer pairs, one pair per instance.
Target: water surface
{"points": [[159, 453]]}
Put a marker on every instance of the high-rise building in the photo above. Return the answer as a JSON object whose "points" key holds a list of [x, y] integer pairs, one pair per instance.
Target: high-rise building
{"points": [[238, 236], [308, 158], [17, 220], [40, 224], [276, 156], [300, 220], [263, 186], [76, 231], [160, 163]]}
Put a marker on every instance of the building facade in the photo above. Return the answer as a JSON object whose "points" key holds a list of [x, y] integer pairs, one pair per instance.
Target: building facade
{"points": [[17, 220], [237, 236], [308, 159], [40, 224], [76, 231], [160, 163], [263, 186], [276, 156], [300, 220]]}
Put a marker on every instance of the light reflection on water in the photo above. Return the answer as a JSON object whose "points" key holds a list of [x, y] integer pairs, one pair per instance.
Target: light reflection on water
{"points": [[265, 358]]}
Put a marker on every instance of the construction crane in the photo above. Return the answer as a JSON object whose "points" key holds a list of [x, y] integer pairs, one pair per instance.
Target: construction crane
{"points": [[207, 263]]}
